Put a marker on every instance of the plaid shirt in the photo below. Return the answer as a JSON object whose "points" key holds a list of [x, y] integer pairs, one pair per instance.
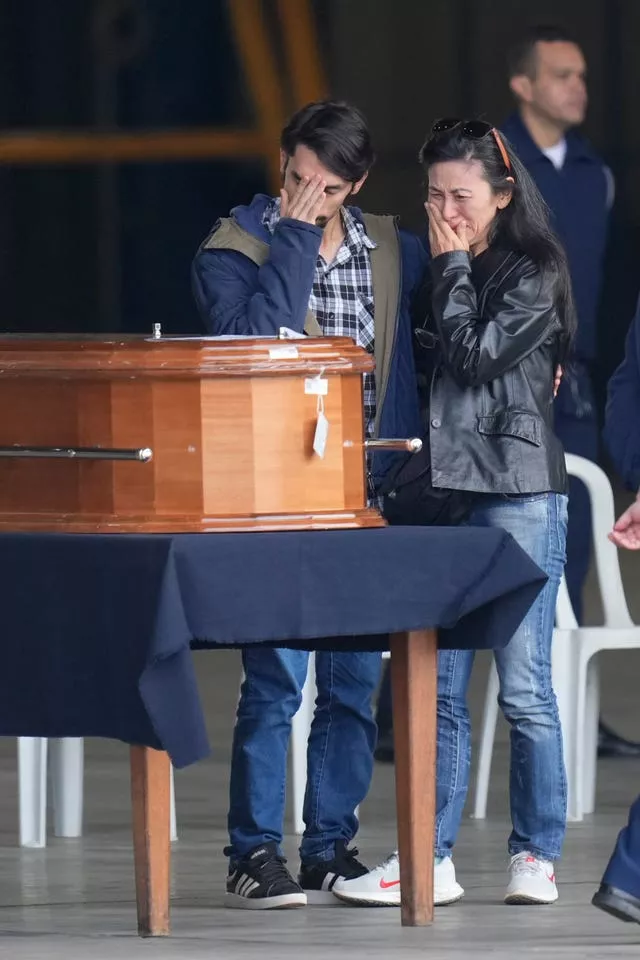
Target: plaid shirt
{"points": [[342, 294]]}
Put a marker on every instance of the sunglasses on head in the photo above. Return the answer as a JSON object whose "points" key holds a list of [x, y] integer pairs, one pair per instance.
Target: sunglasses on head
{"points": [[475, 130]]}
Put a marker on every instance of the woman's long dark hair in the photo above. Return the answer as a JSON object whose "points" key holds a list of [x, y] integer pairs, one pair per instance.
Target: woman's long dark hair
{"points": [[523, 225]]}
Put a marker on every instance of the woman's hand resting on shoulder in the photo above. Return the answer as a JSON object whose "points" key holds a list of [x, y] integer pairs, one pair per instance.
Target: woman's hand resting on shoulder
{"points": [[557, 380]]}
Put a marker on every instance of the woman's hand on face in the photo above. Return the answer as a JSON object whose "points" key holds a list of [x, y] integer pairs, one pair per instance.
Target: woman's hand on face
{"points": [[442, 238]]}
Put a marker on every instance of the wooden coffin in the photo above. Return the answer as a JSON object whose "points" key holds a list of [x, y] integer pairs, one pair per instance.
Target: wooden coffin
{"points": [[135, 434]]}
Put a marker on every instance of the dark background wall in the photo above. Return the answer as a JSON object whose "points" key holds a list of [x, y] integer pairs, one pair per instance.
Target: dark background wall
{"points": [[109, 247], [407, 62]]}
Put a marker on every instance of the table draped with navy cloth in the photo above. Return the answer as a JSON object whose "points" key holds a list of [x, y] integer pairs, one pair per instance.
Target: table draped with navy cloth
{"points": [[97, 630]]}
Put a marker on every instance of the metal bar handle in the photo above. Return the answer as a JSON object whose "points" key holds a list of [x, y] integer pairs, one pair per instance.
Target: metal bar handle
{"points": [[142, 455], [412, 445]]}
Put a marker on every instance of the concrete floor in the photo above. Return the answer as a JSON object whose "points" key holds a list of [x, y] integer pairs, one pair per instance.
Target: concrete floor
{"points": [[76, 898]]}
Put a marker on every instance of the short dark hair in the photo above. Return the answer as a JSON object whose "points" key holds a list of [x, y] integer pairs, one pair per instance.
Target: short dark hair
{"points": [[521, 58], [337, 133]]}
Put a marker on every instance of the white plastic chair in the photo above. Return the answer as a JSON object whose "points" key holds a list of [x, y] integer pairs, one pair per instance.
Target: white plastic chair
{"points": [[300, 730], [66, 769], [574, 664]]}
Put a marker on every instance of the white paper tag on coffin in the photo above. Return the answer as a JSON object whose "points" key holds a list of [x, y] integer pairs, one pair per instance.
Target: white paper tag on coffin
{"points": [[283, 353], [316, 386], [321, 435]]}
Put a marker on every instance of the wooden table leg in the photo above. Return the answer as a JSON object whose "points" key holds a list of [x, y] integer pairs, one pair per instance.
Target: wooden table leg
{"points": [[150, 771], [414, 675]]}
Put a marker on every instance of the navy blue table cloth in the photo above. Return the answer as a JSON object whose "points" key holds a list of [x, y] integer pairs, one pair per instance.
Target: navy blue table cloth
{"points": [[97, 631]]}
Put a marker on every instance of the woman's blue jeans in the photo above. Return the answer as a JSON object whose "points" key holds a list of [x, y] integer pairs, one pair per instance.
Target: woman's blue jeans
{"points": [[538, 790]]}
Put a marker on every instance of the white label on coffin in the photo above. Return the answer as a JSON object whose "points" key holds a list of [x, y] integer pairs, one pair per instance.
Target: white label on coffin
{"points": [[321, 435], [316, 386], [283, 353]]}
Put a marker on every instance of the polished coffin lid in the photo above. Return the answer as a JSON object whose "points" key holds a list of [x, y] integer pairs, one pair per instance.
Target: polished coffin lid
{"points": [[174, 434]]}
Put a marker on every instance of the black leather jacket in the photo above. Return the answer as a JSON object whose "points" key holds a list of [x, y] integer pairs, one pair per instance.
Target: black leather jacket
{"points": [[495, 338]]}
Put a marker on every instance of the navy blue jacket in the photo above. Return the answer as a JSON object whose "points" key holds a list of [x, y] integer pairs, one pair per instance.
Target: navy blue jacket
{"points": [[578, 197], [622, 417], [236, 295]]}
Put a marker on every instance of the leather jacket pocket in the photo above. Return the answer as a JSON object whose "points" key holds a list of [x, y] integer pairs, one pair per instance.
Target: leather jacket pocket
{"points": [[523, 426]]}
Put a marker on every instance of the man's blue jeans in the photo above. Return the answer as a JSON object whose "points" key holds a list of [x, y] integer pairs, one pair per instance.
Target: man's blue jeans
{"points": [[340, 752], [623, 871], [538, 790]]}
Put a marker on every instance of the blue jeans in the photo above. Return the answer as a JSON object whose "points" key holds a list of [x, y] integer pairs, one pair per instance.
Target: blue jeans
{"points": [[538, 789], [623, 870], [340, 751]]}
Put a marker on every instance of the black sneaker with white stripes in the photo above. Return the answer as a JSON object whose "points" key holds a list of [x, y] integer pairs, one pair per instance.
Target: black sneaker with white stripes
{"points": [[260, 881], [317, 878]]}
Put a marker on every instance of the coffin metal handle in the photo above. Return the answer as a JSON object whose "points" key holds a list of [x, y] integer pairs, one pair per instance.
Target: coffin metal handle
{"points": [[142, 455], [412, 445]]}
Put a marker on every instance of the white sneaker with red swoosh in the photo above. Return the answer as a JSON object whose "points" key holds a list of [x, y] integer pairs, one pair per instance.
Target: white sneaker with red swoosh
{"points": [[531, 880], [381, 886]]}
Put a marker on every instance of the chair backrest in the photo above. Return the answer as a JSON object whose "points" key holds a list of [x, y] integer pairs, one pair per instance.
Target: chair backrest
{"points": [[614, 603], [565, 617]]}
